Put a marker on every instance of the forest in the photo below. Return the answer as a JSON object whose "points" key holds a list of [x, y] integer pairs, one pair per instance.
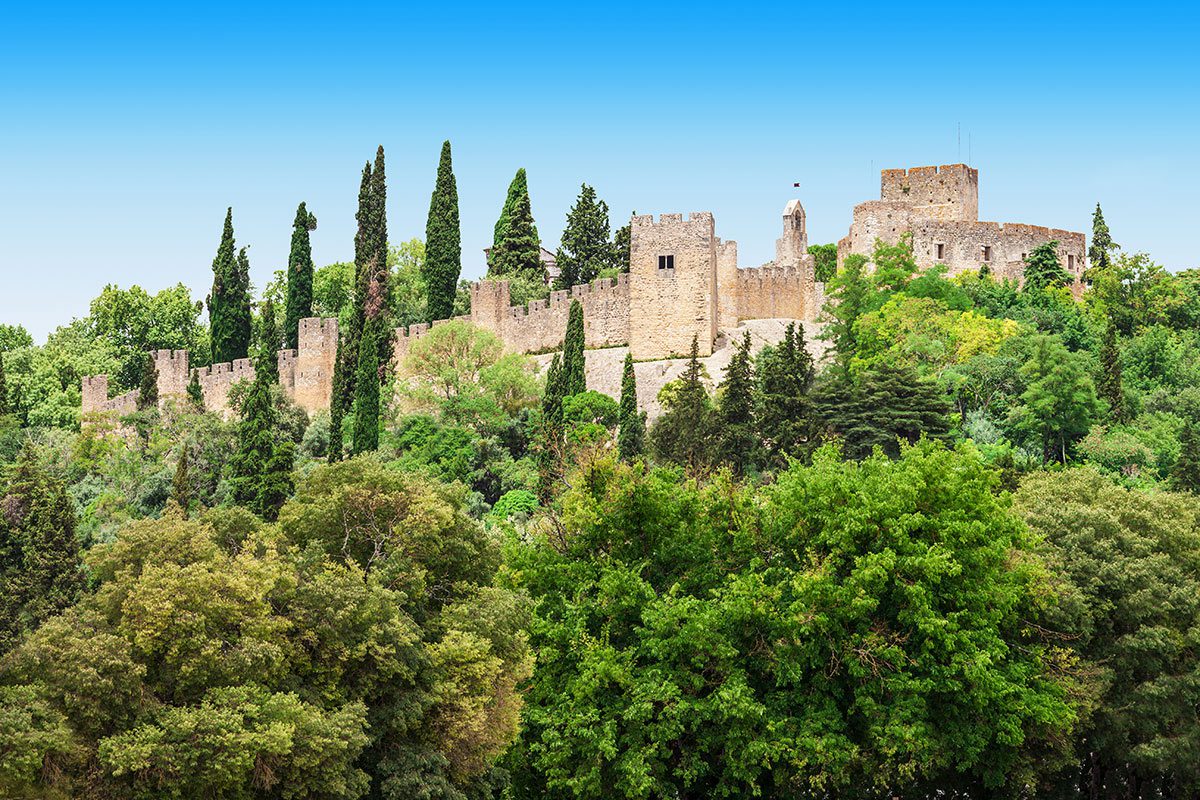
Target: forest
{"points": [[958, 557]]}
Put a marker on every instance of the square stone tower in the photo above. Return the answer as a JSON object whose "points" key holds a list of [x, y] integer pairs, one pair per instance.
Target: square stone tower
{"points": [[672, 285], [949, 192]]}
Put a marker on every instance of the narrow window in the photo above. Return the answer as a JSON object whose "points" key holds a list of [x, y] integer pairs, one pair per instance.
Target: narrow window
{"points": [[941, 251], [1071, 263], [666, 262], [987, 253]]}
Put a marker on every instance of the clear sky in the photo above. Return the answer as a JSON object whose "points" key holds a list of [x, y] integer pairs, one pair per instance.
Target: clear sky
{"points": [[126, 131]]}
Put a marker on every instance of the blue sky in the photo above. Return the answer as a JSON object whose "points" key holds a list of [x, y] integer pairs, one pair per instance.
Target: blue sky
{"points": [[126, 131]]}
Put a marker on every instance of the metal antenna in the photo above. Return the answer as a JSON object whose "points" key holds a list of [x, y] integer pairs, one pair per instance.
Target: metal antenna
{"points": [[959, 142]]}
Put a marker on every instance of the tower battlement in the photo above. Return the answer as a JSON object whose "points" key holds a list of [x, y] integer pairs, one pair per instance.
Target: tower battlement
{"points": [[949, 192]]}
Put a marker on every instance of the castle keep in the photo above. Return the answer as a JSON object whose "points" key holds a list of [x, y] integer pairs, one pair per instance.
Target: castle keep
{"points": [[684, 282], [940, 207]]}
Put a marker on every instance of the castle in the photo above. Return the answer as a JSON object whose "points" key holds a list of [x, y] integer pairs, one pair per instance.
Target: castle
{"points": [[684, 282]]}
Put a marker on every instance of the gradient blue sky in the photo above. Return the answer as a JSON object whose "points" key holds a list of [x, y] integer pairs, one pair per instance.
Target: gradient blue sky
{"points": [[127, 130]]}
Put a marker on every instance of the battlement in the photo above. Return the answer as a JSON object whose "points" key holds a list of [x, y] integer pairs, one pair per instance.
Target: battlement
{"points": [[173, 372], [950, 191], [700, 220]]}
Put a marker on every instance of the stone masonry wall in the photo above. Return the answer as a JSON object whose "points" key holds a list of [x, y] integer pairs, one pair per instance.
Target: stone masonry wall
{"points": [[307, 374], [948, 192], [667, 307]]}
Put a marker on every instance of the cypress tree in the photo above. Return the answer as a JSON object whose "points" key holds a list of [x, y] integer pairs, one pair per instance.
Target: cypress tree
{"points": [[337, 404], [299, 276], [5, 408], [1185, 476], [517, 190], [443, 243], [379, 241], [735, 413], [181, 490], [347, 364], [631, 435], [194, 392], [1043, 269], [622, 245], [552, 399], [1102, 243], [223, 298], [783, 401], [366, 384], [573, 363], [684, 433], [39, 554], [550, 447], [585, 248], [1109, 386], [261, 467], [518, 253], [148, 388], [268, 343], [241, 316]]}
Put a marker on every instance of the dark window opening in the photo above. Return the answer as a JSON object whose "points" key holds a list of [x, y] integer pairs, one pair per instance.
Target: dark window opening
{"points": [[941, 251], [666, 262], [1071, 262], [987, 253]]}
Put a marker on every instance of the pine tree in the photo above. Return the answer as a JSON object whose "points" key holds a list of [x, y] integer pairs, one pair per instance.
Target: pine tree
{"points": [[299, 276], [39, 554], [784, 404], [684, 434], [224, 298], [443, 243], [194, 393], [268, 343], [735, 414], [1102, 243], [261, 467], [366, 392], [1043, 269], [573, 362], [585, 248], [148, 388], [631, 433], [1185, 476], [517, 190], [5, 408], [518, 253], [181, 489], [1109, 387]]}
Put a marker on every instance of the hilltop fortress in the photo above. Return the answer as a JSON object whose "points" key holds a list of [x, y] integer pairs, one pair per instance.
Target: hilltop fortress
{"points": [[683, 282]]}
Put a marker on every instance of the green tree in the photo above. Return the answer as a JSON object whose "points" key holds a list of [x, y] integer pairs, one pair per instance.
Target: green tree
{"points": [[195, 394], [261, 467], [631, 437], [1059, 401], [269, 337], [556, 392], [574, 364], [229, 301], [518, 192], [850, 296], [1043, 269], [299, 276], [132, 322], [831, 635], [882, 407], [5, 408], [1102, 244], [825, 256], [1110, 387], [443, 245], [1185, 476], [685, 433], [181, 484], [783, 405], [39, 556], [337, 406], [518, 254], [366, 395], [148, 388], [1128, 607], [585, 249], [739, 442], [622, 241]]}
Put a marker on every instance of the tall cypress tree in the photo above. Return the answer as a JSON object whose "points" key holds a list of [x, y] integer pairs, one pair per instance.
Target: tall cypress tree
{"points": [[518, 189], [784, 404], [5, 408], [586, 248], [573, 363], [39, 555], [548, 453], [518, 252], [268, 343], [556, 390], [337, 406], [1102, 243], [148, 388], [241, 316], [631, 433], [366, 384], [739, 442], [346, 368], [299, 276], [1109, 386], [1185, 476], [223, 299], [443, 243], [261, 467], [378, 305]]}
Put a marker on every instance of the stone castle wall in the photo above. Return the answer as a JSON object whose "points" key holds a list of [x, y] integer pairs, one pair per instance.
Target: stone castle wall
{"points": [[668, 307], [306, 376], [939, 206]]}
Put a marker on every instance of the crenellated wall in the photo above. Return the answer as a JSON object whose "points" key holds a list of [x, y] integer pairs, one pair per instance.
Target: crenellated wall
{"points": [[217, 379]]}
